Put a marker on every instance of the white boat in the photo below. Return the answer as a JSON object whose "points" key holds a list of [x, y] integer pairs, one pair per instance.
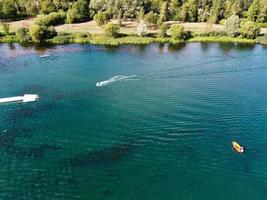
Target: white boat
{"points": [[26, 98], [44, 56]]}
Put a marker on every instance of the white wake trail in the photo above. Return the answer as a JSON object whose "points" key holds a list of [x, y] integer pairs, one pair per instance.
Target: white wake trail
{"points": [[114, 79]]}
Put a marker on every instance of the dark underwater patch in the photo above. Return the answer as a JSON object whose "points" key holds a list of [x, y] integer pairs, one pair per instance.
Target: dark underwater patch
{"points": [[101, 157], [33, 88], [27, 112], [36, 152], [8, 137]]}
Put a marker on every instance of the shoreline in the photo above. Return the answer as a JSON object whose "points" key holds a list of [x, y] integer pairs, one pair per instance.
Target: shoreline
{"points": [[127, 40]]}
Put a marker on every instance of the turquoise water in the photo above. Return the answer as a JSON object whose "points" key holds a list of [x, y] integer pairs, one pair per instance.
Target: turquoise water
{"points": [[163, 133]]}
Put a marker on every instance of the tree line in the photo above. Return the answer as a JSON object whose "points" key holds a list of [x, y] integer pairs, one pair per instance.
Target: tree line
{"points": [[155, 11]]}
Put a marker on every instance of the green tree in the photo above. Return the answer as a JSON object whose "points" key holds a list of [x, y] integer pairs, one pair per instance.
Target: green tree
{"points": [[78, 12], [112, 30], [192, 10], [231, 26], [215, 12], [37, 33], [9, 9], [141, 14], [101, 18], [47, 6], [32, 8], [257, 12], [174, 8], [249, 29], [177, 33], [96, 6], [162, 14], [40, 33], [233, 7]]}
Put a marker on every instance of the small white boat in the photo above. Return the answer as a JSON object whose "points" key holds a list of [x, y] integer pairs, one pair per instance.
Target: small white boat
{"points": [[44, 56], [26, 98]]}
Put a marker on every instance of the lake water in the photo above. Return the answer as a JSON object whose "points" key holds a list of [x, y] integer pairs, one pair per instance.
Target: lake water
{"points": [[159, 127]]}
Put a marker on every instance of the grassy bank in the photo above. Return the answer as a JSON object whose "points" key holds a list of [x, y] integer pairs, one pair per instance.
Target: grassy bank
{"points": [[100, 39], [223, 39]]}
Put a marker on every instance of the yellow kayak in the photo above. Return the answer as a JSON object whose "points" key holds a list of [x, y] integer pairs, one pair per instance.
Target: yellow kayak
{"points": [[237, 147]]}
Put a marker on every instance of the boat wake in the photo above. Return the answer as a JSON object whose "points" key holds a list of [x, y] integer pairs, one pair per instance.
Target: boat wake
{"points": [[115, 79]]}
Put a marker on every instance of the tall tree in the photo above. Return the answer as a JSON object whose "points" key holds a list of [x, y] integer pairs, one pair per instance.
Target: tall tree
{"points": [[216, 11], [78, 12], [163, 13], [9, 9]]}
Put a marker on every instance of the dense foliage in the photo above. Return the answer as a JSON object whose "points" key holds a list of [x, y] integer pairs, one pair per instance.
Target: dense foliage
{"points": [[249, 29], [177, 33], [112, 30], [41, 33], [23, 35], [159, 10], [231, 26], [51, 19]]}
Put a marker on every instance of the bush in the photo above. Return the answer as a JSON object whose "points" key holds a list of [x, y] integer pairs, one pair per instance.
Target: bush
{"points": [[102, 18], [141, 28], [112, 30], [231, 26], [6, 28], [249, 29], [52, 19], [41, 33], [22, 35], [177, 33]]}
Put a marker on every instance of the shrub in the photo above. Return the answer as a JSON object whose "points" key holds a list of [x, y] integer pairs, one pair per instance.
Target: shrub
{"points": [[6, 28], [22, 35], [141, 28], [249, 29], [177, 33], [231, 26], [112, 30], [102, 18], [53, 18], [40, 33]]}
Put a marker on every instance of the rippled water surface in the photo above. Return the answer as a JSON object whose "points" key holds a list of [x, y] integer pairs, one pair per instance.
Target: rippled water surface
{"points": [[157, 126]]}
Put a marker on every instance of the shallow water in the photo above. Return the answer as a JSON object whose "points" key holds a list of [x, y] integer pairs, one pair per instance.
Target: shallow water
{"points": [[163, 132]]}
